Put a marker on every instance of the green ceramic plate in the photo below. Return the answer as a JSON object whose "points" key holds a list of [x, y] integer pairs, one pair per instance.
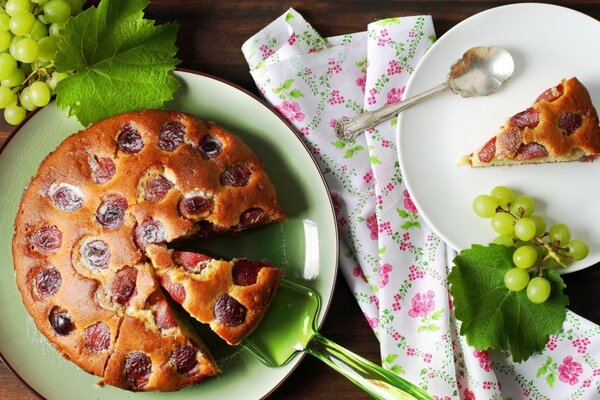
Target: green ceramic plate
{"points": [[305, 245]]}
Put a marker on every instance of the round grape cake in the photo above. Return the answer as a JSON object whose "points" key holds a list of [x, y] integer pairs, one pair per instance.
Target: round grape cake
{"points": [[87, 217]]}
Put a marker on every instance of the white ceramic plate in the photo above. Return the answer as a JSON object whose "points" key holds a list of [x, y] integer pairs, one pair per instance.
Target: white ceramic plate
{"points": [[305, 244], [548, 43]]}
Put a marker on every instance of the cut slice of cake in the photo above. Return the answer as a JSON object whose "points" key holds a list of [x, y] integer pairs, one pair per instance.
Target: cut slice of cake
{"points": [[561, 125], [230, 296], [157, 349]]}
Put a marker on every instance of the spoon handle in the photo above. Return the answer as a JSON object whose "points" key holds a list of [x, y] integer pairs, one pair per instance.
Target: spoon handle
{"points": [[380, 383], [349, 129]]}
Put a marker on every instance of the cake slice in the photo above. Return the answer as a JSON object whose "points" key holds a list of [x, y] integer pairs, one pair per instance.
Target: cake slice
{"points": [[230, 296], [157, 349], [561, 125]]}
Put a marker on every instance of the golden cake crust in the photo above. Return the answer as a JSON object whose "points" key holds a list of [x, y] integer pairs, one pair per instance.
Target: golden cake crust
{"points": [[94, 205]]}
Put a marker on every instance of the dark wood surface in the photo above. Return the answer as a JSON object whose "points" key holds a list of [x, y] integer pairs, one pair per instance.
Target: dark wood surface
{"points": [[210, 37]]}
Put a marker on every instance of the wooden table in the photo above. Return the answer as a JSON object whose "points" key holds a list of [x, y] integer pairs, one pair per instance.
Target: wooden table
{"points": [[210, 38]]}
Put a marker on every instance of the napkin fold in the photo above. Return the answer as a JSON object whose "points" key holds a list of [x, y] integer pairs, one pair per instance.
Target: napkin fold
{"points": [[394, 264]]}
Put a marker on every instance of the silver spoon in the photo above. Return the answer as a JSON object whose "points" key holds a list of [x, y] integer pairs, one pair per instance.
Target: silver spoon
{"points": [[481, 71]]}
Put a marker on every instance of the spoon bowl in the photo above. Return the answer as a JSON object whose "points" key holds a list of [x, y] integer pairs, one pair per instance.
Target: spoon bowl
{"points": [[480, 72]]}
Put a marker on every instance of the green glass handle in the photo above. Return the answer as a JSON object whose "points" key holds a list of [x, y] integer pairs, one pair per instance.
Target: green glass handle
{"points": [[373, 379]]}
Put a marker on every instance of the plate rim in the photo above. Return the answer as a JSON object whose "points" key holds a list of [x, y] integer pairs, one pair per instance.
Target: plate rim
{"points": [[441, 42], [325, 303]]}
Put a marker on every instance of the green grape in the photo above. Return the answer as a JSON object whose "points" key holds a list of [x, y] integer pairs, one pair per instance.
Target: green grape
{"points": [[21, 23], [39, 93], [15, 79], [4, 21], [14, 6], [7, 65], [57, 11], [578, 249], [42, 19], [540, 224], [55, 29], [485, 206], [525, 229], [5, 39], [522, 206], [26, 68], [516, 279], [525, 256], [505, 240], [503, 223], [47, 49], [55, 78], [76, 6], [503, 194], [538, 290], [39, 30], [25, 99], [13, 45], [27, 50], [14, 114], [560, 233], [6, 96]]}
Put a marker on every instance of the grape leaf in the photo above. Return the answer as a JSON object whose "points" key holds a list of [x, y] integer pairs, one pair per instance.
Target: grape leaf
{"points": [[494, 317], [122, 61]]}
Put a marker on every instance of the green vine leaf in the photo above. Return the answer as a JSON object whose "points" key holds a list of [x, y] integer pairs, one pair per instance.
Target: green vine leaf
{"points": [[494, 317], [123, 62]]}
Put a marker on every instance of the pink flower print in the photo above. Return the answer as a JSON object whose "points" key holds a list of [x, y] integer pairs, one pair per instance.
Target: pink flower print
{"points": [[385, 227], [265, 50], [394, 68], [372, 225], [361, 82], [305, 131], [410, 351], [373, 322], [333, 122], [427, 358], [395, 95], [587, 383], [368, 177], [389, 186], [396, 305], [408, 203], [290, 111], [570, 371], [334, 67], [581, 344], [597, 372], [422, 304], [379, 199], [396, 336], [414, 274], [374, 300], [385, 143], [411, 34], [384, 277], [358, 272], [337, 205], [468, 395], [487, 385], [551, 345], [342, 221], [336, 98], [308, 71], [292, 39], [484, 359], [384, 39]]}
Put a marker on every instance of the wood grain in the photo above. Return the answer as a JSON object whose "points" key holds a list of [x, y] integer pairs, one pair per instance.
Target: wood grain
{"points": [[210, 37]]}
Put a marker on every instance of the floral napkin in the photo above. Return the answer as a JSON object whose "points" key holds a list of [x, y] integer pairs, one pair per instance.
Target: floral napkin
{"points": [[394, 264]]}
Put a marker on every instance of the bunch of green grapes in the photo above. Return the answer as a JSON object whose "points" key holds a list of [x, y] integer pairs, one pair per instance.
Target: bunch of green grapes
{"points": [[29, 32], [514, 220]]}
